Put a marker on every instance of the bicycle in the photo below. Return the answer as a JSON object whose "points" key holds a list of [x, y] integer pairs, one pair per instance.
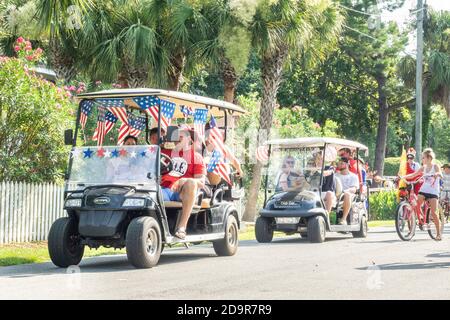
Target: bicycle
{"points": [[406, 218], [445, 204]]}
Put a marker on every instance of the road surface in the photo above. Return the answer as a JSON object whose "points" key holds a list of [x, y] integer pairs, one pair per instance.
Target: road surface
{"points": [[378, 267]]}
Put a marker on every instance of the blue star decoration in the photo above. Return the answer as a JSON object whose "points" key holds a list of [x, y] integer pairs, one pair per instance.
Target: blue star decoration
{"points": [[115, 153], [88, 153], [143, 154]]}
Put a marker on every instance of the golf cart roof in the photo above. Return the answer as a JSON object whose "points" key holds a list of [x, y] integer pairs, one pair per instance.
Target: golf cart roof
{"points": [[317, 142], [180, 98]]}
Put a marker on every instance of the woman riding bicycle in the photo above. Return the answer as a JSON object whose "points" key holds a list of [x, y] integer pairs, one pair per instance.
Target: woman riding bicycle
{"points": [[430, 189]]}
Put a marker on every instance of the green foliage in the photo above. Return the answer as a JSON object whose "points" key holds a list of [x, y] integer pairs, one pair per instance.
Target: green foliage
{"points": [[439, 137], [383, 205], [33, 115], [391, 166]]}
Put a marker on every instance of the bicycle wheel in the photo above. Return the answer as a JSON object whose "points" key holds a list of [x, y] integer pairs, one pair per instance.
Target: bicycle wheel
{"points": [[432, 231], [405, 221]]}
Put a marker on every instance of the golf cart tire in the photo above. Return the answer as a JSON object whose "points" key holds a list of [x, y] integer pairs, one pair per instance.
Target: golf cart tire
{"points": [[316, 229], [362, 233], [228, 245], [138, 232], [263, 230], [304, 235], [60, 250]]}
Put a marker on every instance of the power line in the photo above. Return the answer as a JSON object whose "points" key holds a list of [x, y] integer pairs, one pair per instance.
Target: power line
{"points": [[362, 12], [361, 33]]}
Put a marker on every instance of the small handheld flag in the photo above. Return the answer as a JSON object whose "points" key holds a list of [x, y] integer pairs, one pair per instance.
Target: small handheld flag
{"points": [[217, 166], [86, 109]]}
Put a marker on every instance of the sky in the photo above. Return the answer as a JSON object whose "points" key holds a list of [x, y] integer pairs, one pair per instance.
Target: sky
{"points": [[403, 14]]}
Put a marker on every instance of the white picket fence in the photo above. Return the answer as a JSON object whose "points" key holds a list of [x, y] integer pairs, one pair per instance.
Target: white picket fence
{"points": [[28, 210]]}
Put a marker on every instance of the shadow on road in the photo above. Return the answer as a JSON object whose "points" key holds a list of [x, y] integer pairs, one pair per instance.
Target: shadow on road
{"points": [[409, 266], [439, 255]]}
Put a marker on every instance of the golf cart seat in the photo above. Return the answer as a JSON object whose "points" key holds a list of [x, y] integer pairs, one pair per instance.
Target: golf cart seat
{"points": [[205, 204]]}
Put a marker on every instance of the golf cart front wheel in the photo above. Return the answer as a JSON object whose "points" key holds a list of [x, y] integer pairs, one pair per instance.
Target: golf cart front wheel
{"points": [[362, 233], [316, 229], [143, 242], [64, 243], [229, 244], [263, 230]]}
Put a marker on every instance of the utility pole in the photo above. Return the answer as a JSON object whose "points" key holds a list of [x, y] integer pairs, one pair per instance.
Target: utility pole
{"points": [[419, 68]]}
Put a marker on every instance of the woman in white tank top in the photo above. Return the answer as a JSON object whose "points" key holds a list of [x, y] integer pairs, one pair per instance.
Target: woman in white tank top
{"points": [[431, 186]]}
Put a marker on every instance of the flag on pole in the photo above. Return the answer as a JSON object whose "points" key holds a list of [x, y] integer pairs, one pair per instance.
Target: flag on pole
{"points": [[134, 128], [116, 107], [199, 122], [216, 165], [217, 139], [101, 127], [110, 121], [262, 154], [86, 109]]}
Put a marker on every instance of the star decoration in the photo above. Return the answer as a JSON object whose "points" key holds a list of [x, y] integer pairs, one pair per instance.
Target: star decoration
{"points": [[143, 154], [75, 153], [108, 154], [123, 152], [101, 153], [152, 149], [115, 153], [88, 153], [133, 154]]}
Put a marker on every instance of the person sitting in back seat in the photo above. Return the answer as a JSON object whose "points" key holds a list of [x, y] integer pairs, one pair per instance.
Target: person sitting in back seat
{"points": [[186, 178]]}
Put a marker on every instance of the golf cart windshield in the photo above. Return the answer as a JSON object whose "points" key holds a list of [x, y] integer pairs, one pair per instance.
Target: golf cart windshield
{"points": [[294, 169], [124, 165]]}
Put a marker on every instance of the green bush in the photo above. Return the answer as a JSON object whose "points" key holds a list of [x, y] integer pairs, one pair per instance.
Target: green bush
{"points": [[391, 166], [33, 115], [383, 205]]}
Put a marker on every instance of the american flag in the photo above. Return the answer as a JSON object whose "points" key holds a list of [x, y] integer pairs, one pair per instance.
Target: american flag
{"points": [[116, 106], [199, 122], [110, 121], [101, 127], [86, 109], [217, 166], [134, 128], [187, 111], [262, 154], [150, 104], [216, 137]]}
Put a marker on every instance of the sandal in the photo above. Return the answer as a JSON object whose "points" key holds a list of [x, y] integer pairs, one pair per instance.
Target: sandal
{"points": [[438, 238], [180, 233]]}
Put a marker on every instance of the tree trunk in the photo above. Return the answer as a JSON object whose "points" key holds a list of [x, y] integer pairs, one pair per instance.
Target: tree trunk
{"points": [[383, 118], [133, 76], [271, 74], [230, 78], [175, 74], [62, 63]]}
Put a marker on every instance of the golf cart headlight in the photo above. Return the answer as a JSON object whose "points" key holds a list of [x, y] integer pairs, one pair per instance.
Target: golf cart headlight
{"points": [[134, 203], [73, 203]]}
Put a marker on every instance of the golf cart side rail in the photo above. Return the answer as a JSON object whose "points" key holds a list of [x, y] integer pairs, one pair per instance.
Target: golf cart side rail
{"points": [[317, 142]]}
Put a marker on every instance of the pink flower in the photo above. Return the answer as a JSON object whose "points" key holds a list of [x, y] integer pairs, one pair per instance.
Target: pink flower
{"points": [[98, 82], [82, 84], [20, 40], [80, 90], [38, 50], [316, 125], [72, 88], [68, 94], [28, 48], [29, 58], [16, 48], [59, 90]]}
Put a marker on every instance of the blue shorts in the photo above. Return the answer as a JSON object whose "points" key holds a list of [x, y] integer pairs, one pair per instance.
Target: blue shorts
{"points": [[169, 195]]}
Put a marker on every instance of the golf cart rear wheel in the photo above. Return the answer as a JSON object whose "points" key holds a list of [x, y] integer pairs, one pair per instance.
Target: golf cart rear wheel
{"points": [[143, 242], [263, 230], [64, 245], [316, 229], [362, 233], [228, 245], [304, 235]]}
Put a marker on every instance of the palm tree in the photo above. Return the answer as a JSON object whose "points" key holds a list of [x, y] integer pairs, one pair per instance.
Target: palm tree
{"points": [[436, 73], [60, 19], [283, 29]]}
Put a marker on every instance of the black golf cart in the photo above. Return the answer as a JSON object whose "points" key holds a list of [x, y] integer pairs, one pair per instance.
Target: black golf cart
{"points": [[113, 196], [300, 208]]}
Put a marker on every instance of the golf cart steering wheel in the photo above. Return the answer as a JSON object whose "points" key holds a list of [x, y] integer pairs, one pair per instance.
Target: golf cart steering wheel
{"points": [[166, 164]]}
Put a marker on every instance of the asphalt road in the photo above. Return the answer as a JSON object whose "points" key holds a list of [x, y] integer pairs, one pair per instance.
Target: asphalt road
{"points": [[378, 267]]}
